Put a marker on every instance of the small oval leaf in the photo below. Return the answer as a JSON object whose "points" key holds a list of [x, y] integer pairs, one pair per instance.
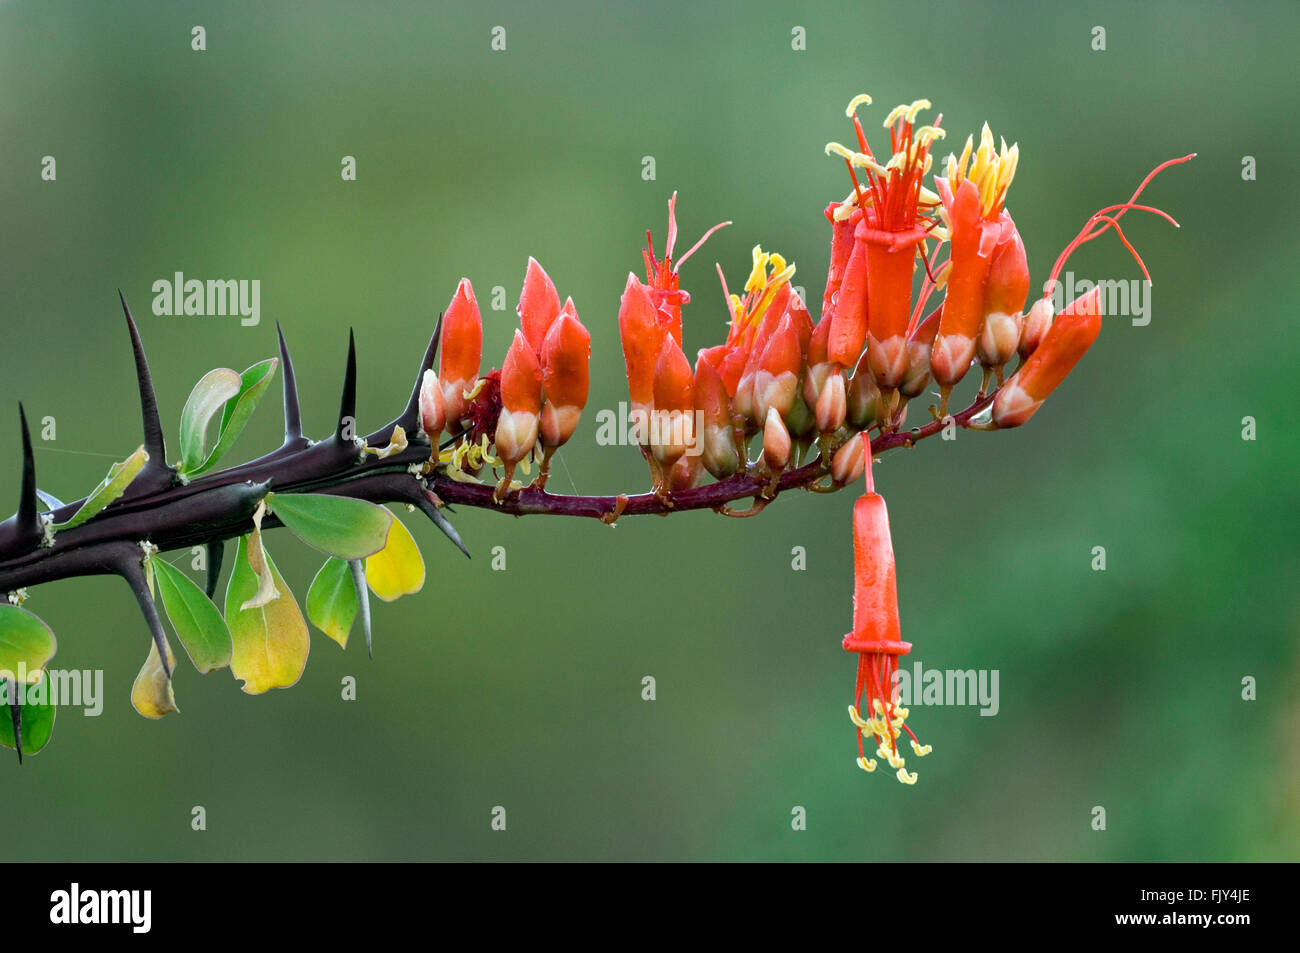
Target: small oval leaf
{"points": [[253, 384], [332, 600], [336, 525], [398, 569], [26, 644], [208, 398], [196, 620], [110, 488], [271, 642]]}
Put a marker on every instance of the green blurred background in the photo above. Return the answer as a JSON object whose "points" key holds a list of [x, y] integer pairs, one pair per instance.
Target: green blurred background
{"points": [[522, 688]]}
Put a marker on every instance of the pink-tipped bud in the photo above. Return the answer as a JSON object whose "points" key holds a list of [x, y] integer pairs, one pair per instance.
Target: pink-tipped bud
{"points": [[832, 405], [685, 473], [999, 338], [1036, 323], [539, 305], [776, 442], [919, 350], [849, 461], [433, 410], [642, 339]]}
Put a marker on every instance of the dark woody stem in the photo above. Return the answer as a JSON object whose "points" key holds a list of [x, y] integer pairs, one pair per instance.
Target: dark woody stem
{"points": [[172, 515]]}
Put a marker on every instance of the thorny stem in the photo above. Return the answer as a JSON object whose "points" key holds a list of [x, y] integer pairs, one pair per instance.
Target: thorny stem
{"points": [[211, 509]]}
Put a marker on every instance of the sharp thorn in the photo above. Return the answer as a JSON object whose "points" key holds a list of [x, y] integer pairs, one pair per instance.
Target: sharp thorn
{"points": [[410, 419], [216, 554], [154, 443], [292, 409], [358, 568], [348, 402], [27, 520], [431, 510], [16, 715], [131, 571]]}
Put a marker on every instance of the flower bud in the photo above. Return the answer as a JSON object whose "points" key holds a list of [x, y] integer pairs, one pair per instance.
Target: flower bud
{"points": [[461, 351], [777, 376], [1036, 323], [849, 460], [919, 349], [685, 473], [539, 305], [720, 455], [999, 338], [566, 355], [433, 411], [963, 303], [832, 405], [776, 442], [863, 398], [521, 402], [1066, 341], [642, 339], [672, 419]]}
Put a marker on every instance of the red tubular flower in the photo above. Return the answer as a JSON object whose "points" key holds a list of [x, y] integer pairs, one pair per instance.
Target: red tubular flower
{"points": [[521, 404], [1005, 292], [973, 195], [461, 351], [893, 227], [566, 355], [1066, 341], [539, 305], [721, 457], [642, 339], [672, 418], [876, 635], [754, 318], [776, 379], [848, 329]]}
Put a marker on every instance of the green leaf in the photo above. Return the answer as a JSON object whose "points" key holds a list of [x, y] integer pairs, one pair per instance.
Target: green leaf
{"points": [[209, 397], [332, 600], [253, 384], [36, 718], [336, 525], [26, 644], [110, 488], [196, 620], [270, 642]]}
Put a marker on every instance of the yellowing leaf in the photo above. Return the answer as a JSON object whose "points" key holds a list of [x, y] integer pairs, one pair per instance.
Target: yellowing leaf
{"points": [[152, 695], [271, 641], [266, 590], [332, 600], [398, 569]]}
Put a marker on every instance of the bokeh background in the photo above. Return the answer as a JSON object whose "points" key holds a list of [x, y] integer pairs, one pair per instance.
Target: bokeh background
{"points": [[522, 688]]}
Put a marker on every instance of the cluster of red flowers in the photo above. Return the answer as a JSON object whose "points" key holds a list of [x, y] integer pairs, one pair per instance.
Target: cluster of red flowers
{"points": [[530, 407], [871, 352], [797, 383]]}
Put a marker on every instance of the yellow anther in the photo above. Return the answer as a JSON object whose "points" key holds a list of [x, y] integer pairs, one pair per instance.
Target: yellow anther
{"points": [[867, 764], [920, 749], [856, 718], [862, 99], [905, 777], [478, 386], [928, 134], [844, 152]]}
